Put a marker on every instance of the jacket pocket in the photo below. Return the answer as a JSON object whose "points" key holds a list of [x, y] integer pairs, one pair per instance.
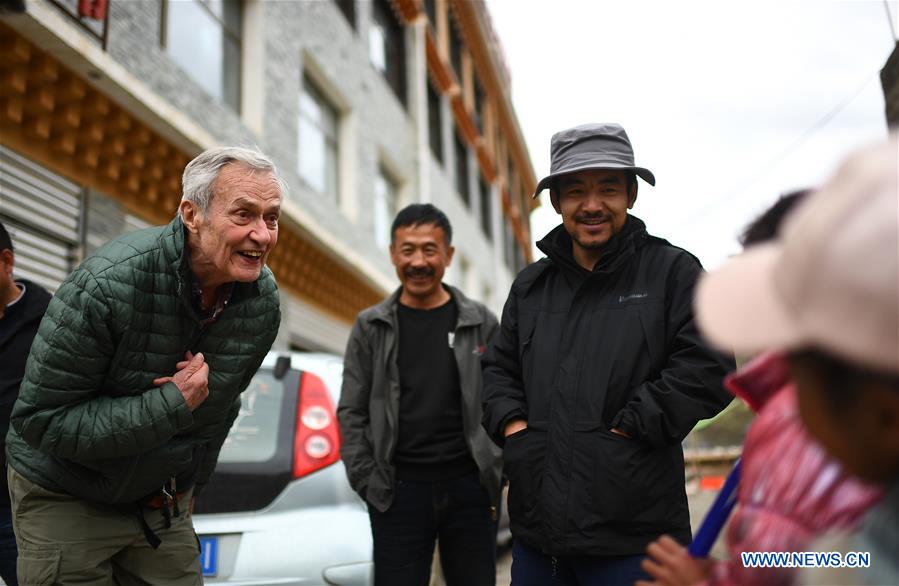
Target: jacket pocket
{"points": [[525, 345], [635, 484], [379, 490], [526, 349], [127, 480], [523, 458], [359, 473]]}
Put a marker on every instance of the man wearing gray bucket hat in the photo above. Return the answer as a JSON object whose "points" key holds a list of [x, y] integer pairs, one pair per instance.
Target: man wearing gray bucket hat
{"points": [[591, 146], [596, 376]]}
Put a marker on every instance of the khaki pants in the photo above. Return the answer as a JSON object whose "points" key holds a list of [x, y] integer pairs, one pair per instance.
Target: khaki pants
{"points": [[65, 540]]}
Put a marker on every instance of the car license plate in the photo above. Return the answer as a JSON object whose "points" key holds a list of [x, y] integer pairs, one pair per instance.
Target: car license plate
{"points": [[209, 551]]}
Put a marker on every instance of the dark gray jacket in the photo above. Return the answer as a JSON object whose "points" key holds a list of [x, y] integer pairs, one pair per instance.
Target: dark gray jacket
{"points": [[370, 397]]}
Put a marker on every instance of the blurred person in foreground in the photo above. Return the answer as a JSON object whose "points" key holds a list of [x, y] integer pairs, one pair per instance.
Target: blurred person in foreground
{"points": [[790, 491], [826, 293], [597, 375], [22, 305], [135, 377], [410, 412]]}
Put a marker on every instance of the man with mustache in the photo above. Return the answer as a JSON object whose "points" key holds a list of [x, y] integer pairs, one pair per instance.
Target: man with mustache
{"points": [[596, 376], [410, 412], [134, 380]]}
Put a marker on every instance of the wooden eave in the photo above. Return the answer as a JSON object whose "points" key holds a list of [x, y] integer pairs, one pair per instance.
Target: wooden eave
{"points": [[487, 69]]}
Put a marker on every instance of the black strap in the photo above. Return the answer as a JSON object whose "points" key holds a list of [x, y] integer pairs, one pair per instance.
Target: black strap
{"points": [[152, 538], [167, 513]]}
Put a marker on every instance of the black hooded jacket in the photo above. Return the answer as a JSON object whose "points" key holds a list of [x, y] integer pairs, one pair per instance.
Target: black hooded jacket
{"points": [[17, 330], [581, 352]]}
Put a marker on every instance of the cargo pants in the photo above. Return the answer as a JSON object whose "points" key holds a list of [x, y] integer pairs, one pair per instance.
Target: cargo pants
{"points": [[65, 540]]}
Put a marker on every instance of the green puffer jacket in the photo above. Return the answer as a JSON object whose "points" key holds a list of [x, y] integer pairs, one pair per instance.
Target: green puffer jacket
{"points": [[89, 421]]}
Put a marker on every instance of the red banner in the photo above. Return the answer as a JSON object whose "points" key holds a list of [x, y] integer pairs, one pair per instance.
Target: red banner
{"points": [[95, 9]]}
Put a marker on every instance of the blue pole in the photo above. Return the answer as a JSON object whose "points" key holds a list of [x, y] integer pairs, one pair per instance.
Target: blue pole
{"points": [[717, 515]]}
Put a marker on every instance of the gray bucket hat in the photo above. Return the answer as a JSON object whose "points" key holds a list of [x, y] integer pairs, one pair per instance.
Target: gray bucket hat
{"points": [[591, 146]]}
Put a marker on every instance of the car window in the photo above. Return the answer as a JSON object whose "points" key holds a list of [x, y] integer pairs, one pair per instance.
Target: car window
{"points": [[254, 435]]}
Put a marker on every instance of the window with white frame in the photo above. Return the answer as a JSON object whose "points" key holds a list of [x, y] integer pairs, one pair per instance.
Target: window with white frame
{"points": [[348, 8], [510, 244], [431, 11], [204, 38], [387, 47], [462, 168], [480, 100], [465, 275], [317, 146], [486, 209], [386, 198], [435, 123], [456, 49]]}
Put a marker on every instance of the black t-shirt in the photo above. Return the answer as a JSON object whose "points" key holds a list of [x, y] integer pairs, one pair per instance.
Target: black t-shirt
{"points": [[431, 445]]}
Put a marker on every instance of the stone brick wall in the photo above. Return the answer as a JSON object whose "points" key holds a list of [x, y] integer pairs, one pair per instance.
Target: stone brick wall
{"points": [[296, 33]]}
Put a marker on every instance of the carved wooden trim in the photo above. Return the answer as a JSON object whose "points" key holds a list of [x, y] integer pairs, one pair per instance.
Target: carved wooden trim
{"points": [[463, 120], [440, 73]]}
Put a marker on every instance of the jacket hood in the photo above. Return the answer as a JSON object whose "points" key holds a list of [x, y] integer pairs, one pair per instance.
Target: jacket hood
{"points": [[557, 246], [760, 379]]}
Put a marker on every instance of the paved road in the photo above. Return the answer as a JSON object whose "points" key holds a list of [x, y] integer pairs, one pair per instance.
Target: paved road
{"points": [[504, 566]]}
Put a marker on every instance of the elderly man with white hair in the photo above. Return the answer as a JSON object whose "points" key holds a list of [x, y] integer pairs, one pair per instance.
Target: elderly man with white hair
{"points": [[134, 380]]}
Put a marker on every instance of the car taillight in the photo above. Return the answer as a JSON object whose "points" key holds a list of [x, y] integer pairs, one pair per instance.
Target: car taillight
{"points": [[317, 440]]}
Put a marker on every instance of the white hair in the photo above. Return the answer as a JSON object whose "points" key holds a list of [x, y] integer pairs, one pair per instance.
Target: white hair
{"points": [[200, 174]]}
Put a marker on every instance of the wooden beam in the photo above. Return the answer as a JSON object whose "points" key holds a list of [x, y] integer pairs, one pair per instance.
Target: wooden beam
{"points": [[13, 81]]}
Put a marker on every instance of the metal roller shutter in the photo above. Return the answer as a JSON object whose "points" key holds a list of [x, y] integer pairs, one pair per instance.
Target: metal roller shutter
{"points": [[309, 328], [133, 223], [42, 211]]}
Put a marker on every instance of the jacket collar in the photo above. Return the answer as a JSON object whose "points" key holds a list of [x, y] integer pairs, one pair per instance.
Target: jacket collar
{"points": [[35, 299], [29, 308], [33, 302], [177, 257], [468, 309], [557, 246], [759, 379]]}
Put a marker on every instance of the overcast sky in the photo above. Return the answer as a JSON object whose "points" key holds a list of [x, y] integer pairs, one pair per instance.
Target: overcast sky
{"points": [[729, 103]]}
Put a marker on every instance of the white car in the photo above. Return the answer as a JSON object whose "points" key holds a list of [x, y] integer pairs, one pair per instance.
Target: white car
{"points": [[279, 509]]}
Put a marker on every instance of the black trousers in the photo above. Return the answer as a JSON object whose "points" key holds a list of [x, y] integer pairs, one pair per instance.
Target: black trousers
{"points": [[455, 512], [8, 550]]}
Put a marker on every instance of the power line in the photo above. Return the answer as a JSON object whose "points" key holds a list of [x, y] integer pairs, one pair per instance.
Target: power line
{"points": [[783, 155], [886, 4]]}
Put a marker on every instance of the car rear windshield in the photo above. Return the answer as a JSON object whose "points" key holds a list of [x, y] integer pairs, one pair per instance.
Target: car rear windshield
{"points": [[254, 435]]}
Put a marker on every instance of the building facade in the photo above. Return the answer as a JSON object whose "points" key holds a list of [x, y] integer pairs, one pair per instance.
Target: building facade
{"points": [[365, 106]]}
